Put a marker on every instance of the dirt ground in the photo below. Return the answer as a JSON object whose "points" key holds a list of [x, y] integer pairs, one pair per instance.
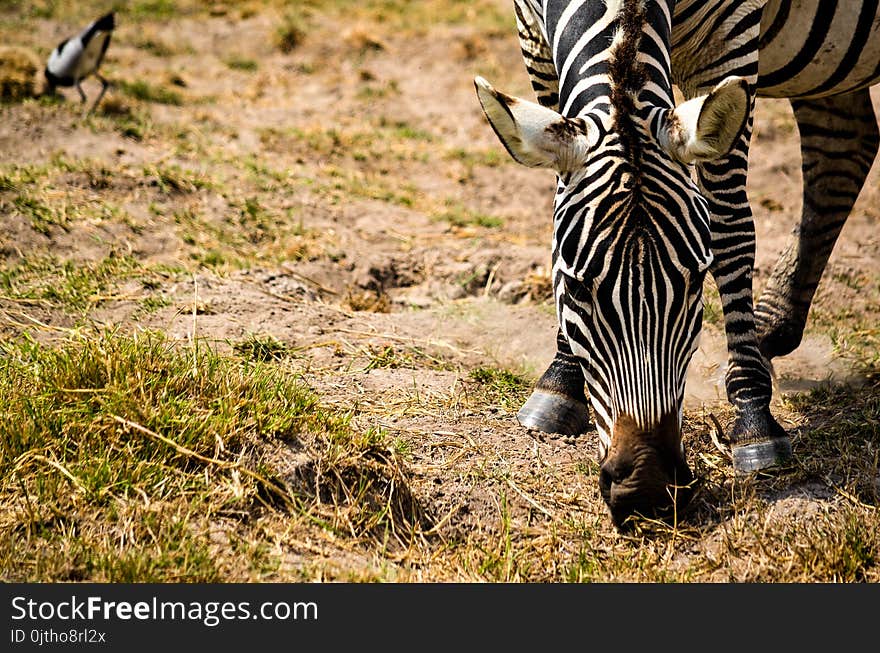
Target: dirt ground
{"points": [[399, 248]]}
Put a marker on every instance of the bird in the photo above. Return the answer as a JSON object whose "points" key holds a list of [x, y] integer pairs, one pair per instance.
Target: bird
{"points": [[79, 56]]}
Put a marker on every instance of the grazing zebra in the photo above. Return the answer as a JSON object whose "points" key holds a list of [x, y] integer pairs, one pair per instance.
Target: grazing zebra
{"points": [[77, 57], [650, 197]]}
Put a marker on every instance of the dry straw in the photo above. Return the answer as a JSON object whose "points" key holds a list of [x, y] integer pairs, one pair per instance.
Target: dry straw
{"points": [[19, 68]]}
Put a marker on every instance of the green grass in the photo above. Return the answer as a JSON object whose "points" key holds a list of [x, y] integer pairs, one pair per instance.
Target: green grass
{"points": [[174, 179], [398, 357], [160, 47], [147, 92], [95, 427], [155, 302], [713, 312], [344, 183], [260, 348], [136, 125], [403, 130], [334, 143], [134, 10], [59, 193], [71, 285], [840, 436], [42, 216], [459, 215], [488, 158], [154, 9], [247, 233], [501, 386], [290, 32], [243, 63], [19, 177], [398, 15], [378, 91], [111, 439]]}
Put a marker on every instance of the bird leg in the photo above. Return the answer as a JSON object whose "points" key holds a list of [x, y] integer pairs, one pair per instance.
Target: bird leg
{"points": [[82, 94], [104, 85]]}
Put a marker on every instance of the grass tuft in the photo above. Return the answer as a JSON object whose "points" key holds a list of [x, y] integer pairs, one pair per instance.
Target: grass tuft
{"points": [[501, 386], [242, 63], [18, 73], [260, 348], [173, 179], [67, 284], [112, 439], [141, 90], [290, 33]]}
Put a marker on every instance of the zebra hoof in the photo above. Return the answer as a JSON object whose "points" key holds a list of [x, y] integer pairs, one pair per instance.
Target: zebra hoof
{"points": [[756, 456], [554, 413]]}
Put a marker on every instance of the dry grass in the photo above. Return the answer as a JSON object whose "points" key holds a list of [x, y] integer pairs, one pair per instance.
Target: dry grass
{"points": [[290, 33], [280, 419], [20, 74], [111, 441]]}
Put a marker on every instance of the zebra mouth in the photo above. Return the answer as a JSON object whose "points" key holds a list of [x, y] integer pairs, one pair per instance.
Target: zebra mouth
{"points": [[655, 499], [644, 472]]}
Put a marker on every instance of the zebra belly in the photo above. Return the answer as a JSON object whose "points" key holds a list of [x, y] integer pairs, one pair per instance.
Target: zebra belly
{"points": [[817, 48]]}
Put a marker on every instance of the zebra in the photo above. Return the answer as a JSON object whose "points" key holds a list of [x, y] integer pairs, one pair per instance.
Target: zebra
{"points": [[651, 197]]}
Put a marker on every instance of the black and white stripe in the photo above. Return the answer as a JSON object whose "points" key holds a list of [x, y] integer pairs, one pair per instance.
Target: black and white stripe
{"points": [[819, 48], [630, 227], [636, 227]]}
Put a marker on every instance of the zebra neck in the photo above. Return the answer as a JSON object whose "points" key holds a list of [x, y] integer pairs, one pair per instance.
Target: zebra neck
{"points": [[612, 57]]}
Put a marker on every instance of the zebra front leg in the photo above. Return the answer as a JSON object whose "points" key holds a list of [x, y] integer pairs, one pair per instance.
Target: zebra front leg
{"points": [[839, 141], [757, 439], [558, 403]]}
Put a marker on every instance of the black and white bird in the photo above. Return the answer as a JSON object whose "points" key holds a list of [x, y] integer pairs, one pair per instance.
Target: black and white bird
{"points": [[79, 56]]}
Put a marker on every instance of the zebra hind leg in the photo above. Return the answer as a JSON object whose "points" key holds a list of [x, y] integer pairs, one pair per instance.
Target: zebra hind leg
{"points": [[839, 140], [558, 403]]}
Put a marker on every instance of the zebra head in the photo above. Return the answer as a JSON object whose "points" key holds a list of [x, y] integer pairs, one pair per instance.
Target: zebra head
{"points": [[631, 248]]}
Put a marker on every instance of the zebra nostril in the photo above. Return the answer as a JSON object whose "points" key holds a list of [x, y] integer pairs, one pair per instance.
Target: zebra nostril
{"points": [[615, 472], [611, 475]]}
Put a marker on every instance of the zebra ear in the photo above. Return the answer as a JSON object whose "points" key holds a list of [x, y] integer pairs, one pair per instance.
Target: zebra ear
{"points": [[534, 135], [707, 127]]}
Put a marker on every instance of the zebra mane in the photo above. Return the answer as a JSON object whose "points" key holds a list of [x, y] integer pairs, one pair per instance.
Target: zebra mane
{"points": [[627, 72]]}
